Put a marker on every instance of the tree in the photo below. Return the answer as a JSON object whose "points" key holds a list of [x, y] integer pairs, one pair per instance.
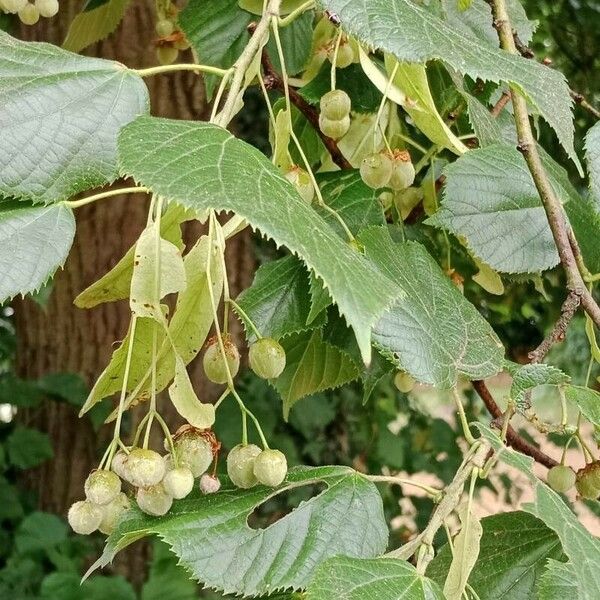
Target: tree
{"points": [[404, 190]]}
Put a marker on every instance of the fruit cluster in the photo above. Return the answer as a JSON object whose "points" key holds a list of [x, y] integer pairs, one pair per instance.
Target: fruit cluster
{"points": [[586, 481], [385, 169], [30, 12], [170, 41]]}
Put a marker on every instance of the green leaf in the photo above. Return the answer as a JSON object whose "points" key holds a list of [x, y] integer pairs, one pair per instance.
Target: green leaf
{"points": [[256, 7], [198, 165], [347, 578], [592, 155], [465, 554], [95, 22], [558, 582], [28, 448], [34, 242], [211, 537], [278, 301], [530, 376], [60, 114], [312, 366], [39, 531], [434, 333], [22, 393], [491, 200], [296, 41], [578, 543], [68, 586], [426, 37], [116, 284], [319, 299], [218, 32], [587, 400], [584, 216], [70, 387], [514, 549]]}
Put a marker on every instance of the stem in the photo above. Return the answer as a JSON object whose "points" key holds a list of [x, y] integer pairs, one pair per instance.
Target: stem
{"points": [[336, 49], [180, 67], [238, 309], [109, 194], [463, 418], [388, 86], [219, 95], [434, 492], [285, 21]]}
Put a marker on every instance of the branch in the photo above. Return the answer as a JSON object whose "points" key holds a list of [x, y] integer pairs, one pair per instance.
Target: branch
{"points": [[555, 213], [274, 81], [512, 437]]}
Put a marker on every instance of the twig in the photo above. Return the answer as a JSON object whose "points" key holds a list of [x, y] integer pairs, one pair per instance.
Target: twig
{"points": [[512, 437], [567, 312], [502, 102], [274, 81]]}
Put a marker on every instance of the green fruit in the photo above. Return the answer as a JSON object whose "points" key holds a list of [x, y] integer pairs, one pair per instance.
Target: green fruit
{"points": [[588, 481], [335, 105], [209, 484], [270, 467], [376, 170], [267, 358], [178, 482], [47, 8], [166, 55], [334, 129], [345, 55], [561, 478], [29, 15], [215, 367], [404, 382], [14, 6], [112, 513], [302, 182], [403, 174], [119, 463], [164, 27], [102, 487], [154, 500], [194, 452], [240, 465], [85, 517], [144, 468]]}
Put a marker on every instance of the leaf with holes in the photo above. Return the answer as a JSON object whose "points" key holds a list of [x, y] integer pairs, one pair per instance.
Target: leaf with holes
{"points": [[425, 37], [203, 166], [34, 243], [434, 333], [211, 537], [312, 365], [347, 578], [60, 114]]}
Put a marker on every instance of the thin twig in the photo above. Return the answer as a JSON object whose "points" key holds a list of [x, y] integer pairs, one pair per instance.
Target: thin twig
{"points": [[502, 102]]}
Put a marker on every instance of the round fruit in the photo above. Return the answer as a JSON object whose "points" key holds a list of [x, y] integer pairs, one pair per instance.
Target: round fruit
{"points": [[209, 484], [182, 43], [154, 500], [215, 367], [29, 15], [301, 180], [403, 174], [345, 55], [119, 464], [179, 482], [270, 467], [240, 465], [404, 382], [112, 513], [194, 452], [102, 487], [166, 55], [14, 6], [85, 517], [588, 481], [164, 27], [47, 8], [334, 129], [376, 170], [144, 468], [267, 358], [335, 105], [561, 478]]}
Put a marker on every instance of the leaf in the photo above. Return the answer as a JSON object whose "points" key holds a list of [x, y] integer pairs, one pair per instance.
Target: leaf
{"points": [[347, 578], [211, 537], [155, 259], [319, 299], [256, 7], [584, 216], [578, 543], [159, 151], [513, 553], [558, 582], [411, 330], [34, 242], [116, 284], [312, 365], [491, 200], [587, 400], [28, 448], [68, 586], [530, 376], [60, 114], [39, 531], [592, 155], [218, 32], [185, 401], [97, 20], [426, 37], [466, 552], [296, 39]]}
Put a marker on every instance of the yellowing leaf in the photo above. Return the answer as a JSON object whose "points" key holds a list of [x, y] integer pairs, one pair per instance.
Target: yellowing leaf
{"points": [[488, 279]]}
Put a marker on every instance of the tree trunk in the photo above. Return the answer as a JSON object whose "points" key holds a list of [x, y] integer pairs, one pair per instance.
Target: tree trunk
{"points": [[62, 338]]}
